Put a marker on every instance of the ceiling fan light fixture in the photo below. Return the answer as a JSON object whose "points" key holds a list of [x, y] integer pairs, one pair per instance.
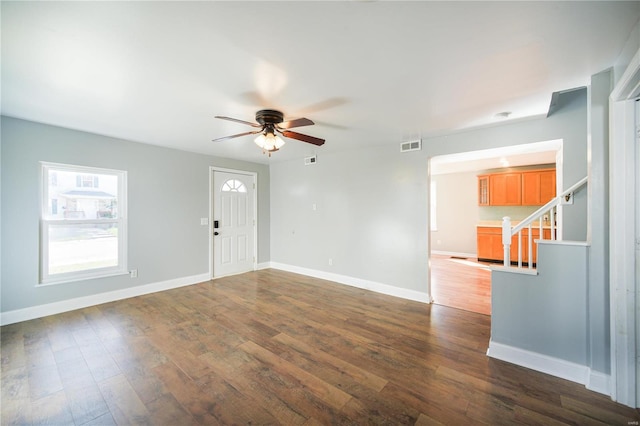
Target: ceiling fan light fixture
{"points": [[268, 141], [271, 121]]}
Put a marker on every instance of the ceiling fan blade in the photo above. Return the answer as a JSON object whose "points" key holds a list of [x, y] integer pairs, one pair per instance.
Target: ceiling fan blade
{"points": [[303, 138], [236, 136], [298, 122], [239, 121]]}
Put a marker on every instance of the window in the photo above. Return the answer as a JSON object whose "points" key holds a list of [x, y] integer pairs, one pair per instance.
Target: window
{"points": [[233, 185], [83, 223]]}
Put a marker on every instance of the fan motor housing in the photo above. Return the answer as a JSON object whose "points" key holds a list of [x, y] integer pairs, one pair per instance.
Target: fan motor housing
{"points": [[269, 116]]}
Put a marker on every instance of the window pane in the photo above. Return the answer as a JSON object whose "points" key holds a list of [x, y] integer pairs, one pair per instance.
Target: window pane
{"points": [[74, 248], [75, 195], [233, 185]]}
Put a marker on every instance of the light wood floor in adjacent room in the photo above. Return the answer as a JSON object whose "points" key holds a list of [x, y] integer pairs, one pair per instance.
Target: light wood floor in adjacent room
{"points": [[461, 283], [272, 347]]}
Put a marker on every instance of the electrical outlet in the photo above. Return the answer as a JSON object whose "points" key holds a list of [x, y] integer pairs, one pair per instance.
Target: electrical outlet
{"points": [[330, 262], [133, 273]]}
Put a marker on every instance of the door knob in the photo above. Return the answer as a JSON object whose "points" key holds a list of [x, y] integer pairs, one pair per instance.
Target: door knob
{"points": [[216, 233]]}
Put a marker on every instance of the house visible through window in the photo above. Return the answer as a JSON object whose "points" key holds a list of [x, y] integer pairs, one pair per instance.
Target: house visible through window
{"points": [[87, 181], [83, 223]]}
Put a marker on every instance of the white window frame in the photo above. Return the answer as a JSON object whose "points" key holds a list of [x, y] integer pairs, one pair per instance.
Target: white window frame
{"points": [[46, 223]]}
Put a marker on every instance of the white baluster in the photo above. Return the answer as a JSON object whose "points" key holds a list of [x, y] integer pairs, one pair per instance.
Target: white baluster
{"points": [[520, 248], [506, 239], [530, 260]]}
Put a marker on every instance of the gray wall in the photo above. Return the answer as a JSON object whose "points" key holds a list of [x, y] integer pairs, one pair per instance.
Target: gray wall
{"points": [[370, 218], [168, 193], [546, 314], [372, 205], [599, 312]]}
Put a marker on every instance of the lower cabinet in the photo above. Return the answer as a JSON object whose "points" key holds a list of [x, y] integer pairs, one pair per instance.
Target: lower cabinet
{"points": [[490, 246]]}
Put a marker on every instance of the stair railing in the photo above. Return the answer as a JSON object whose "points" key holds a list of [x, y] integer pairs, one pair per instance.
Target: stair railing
{"points": [[549, 209]]}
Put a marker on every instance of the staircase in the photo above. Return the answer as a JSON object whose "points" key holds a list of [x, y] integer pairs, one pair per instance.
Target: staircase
{"points": [[542, 220], [540, 315]]}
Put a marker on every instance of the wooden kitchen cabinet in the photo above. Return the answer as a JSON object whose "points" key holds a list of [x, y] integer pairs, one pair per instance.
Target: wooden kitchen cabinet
{"points": [[505, 189], [538, 187], [525, 188], [490, 243], [490, 248], [483, 190]]}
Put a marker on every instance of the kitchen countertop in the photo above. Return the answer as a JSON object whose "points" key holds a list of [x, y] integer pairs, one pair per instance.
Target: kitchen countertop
{"points": [[498, 224]]}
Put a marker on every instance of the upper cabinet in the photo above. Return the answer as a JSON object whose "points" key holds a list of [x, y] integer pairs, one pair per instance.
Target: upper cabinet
{"points": [[505, 189], [483, 190], [538, 187], [514, 188]]}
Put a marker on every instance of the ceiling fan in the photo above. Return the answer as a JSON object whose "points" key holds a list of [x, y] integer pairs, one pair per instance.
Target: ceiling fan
{"points": [[270, 122]]}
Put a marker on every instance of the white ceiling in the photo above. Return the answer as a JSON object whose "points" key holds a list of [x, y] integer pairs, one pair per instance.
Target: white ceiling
{"points": [[368, 73]]}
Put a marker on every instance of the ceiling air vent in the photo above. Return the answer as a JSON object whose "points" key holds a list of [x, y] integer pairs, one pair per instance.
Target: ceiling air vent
{"points": [[310, 160], [411, 146]]}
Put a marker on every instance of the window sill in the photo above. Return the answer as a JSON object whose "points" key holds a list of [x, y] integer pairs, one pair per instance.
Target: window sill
{"points": [[84, 277]]}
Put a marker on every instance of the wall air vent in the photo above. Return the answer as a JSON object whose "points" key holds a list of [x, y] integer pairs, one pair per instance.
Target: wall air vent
{"points": [[310, 160], [415, 145]]}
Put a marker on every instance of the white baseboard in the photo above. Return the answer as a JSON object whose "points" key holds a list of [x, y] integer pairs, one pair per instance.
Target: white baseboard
{"points": [[599, 382], [454, 253], [356, 282], [18, 315], [263, 265], [593, 380]]}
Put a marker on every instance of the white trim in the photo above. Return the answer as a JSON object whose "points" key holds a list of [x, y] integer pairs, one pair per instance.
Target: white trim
{"points": [[254, 175], [593, 380], [403, 293], [545, 364], [514, 269], [263, 265], [39, 311], [599, 382], [623, 296], [628, 87], [454, 253], [46, 223], [563, 243]]}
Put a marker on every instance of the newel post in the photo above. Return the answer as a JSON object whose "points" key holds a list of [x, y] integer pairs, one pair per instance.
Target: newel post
{"points": [[506, 239]]}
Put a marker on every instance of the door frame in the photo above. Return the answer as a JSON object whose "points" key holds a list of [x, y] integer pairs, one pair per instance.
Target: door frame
{"points": [[462, 156], [254, 176], [624, 278]]}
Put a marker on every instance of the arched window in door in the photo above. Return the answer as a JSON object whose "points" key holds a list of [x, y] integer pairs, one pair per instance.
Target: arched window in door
{"points": [[233, 185]]}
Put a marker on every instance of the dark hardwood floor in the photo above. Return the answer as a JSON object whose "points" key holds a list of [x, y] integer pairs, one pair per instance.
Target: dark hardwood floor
{"points": [[461, 283], [271, 347]]}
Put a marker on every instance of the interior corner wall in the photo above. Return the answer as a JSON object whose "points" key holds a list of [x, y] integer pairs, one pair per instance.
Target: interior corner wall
{"points": [[457, 213], [372, 208], [168, 193]]}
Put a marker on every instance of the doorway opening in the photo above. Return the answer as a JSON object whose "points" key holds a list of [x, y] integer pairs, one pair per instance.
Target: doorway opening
{"points": [[456, 277]]}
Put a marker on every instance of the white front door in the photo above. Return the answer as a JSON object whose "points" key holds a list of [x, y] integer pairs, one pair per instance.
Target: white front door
{"points": [[233, 223]]}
